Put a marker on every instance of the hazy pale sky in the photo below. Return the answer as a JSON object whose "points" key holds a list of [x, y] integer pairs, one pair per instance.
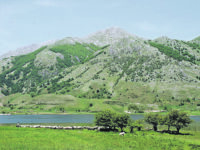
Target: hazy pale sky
{"points": [[23, 22]]}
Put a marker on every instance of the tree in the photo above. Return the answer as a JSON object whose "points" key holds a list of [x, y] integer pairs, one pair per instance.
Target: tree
{"points": [[166, 121], [122, 120], [179, 119], [153, 119], [133, 107], [139, 124], [105, 119], [135, 124], [131, 125], [136, 108]]}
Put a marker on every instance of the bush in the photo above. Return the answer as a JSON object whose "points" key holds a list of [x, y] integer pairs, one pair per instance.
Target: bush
{"points": [[32, 94]]}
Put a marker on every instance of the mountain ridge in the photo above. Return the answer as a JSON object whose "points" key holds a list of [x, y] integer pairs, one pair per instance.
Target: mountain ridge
{"points": [[72, 40], [110, 65]]}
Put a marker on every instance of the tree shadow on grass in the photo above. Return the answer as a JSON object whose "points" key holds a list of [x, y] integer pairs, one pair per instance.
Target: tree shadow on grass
{"points": [[194, 146], [108, 130], [174, 132]]}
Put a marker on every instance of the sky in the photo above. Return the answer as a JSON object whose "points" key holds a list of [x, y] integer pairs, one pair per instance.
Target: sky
{"points": [[24, 22]]}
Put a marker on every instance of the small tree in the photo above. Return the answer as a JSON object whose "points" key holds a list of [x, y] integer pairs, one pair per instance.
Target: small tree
{"points": [[179, 119], [105, 119], [166, 121], [122, 120], [131, 125], [135, 124], [139, 124], [133, 107], [153, 119]]}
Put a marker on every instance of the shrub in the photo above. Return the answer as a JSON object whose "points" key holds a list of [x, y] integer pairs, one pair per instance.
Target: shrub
{"points": [[32, 94]]}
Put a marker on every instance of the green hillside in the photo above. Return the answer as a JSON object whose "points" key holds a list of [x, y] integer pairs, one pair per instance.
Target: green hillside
{"points": [[197, 38], [114, 72]]}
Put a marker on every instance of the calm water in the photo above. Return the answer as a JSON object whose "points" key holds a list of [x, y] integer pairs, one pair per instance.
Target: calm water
{"points": [[59, 118]]}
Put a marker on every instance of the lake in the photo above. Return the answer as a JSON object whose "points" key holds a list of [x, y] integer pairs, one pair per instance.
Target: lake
{"points": [[89, 118]]}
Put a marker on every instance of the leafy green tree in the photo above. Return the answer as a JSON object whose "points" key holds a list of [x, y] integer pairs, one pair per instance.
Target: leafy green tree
{"points": [[139, 124], [136, 108], [131, 125], [105, 118], [135, 124], [133, 107], [166, 121], [122, 120], [179, 119], [153, 119]]}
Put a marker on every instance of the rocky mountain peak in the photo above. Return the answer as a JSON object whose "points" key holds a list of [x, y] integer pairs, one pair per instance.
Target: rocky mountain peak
{"points": [[109, 36]]}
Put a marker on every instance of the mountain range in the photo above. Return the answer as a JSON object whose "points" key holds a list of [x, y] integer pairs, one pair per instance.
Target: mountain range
{"points": [[109, 67]]}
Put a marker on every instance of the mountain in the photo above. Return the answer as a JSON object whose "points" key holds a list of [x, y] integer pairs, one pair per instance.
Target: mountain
{"points": [[110, 68], [26, 49], [197, 38]]}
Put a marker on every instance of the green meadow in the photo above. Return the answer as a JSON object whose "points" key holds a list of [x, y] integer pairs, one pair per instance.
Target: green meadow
{"points": [[68, 104], [40, 138]]}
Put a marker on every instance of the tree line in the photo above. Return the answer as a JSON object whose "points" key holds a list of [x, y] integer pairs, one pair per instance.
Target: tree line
{"points": [[111, 120]]}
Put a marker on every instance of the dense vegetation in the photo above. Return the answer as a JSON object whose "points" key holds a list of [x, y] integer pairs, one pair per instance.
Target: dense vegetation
{"points": [[12, 81], [178, 55], [25, 75], [74, 53], [193, 45]]}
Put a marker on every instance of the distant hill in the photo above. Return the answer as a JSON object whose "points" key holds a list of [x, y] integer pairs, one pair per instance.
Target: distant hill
{"points": [[197, 38], [111, 65]]}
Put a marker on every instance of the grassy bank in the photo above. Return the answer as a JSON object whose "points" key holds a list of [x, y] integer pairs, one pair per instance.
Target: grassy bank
{"points": [[68, 104], [31, 138]]}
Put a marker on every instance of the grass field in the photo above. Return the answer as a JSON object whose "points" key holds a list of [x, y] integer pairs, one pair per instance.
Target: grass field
{"points": [[36, 139], [68, 104]]}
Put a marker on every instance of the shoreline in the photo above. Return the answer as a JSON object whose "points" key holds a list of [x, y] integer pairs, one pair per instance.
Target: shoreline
{"points": [[72, 114]]}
